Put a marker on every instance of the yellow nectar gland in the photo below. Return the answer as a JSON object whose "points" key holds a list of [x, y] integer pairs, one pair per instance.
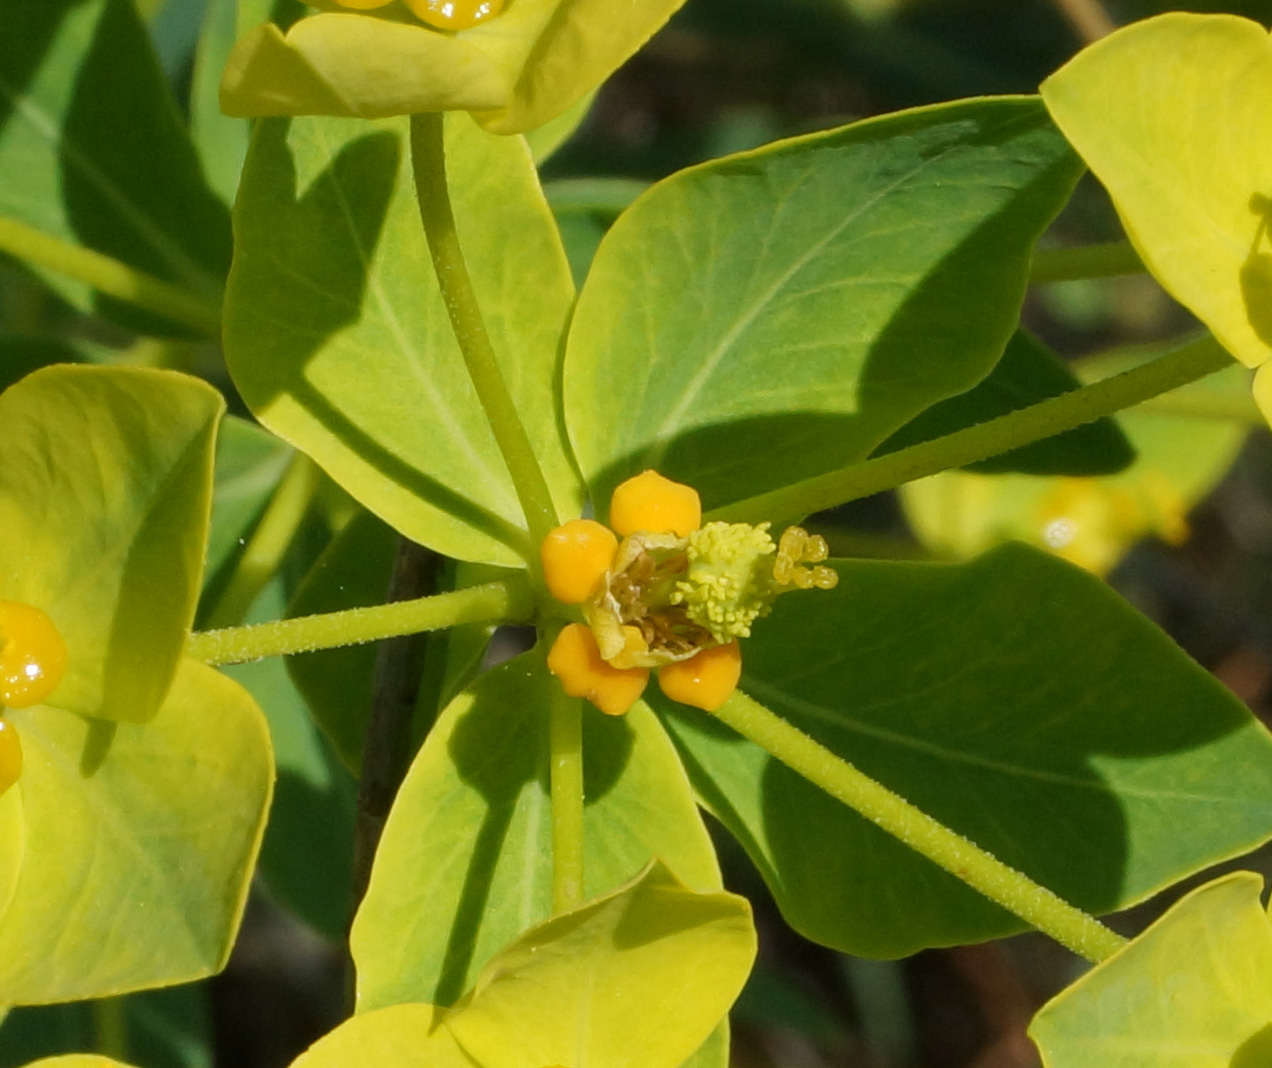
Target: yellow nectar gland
{"points": [[10, 755], [706, 679], [655, 505], [576, 661], [453, 14], [32, 655], [576, 556]]}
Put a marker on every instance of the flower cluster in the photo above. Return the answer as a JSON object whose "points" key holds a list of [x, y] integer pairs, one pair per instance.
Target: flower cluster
{"points": [[673, 595]]}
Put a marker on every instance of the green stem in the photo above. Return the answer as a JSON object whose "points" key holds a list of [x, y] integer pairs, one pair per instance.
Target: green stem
{"points": [[1052, 416], [963, 859], [428, 156], [1085, 261], [110, 1028], [268, 544], [565, 732], [110, 276], [508, 600]]}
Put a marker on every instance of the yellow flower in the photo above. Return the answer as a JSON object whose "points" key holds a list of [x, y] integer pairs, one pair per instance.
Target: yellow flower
{"points": [[673, 595]]}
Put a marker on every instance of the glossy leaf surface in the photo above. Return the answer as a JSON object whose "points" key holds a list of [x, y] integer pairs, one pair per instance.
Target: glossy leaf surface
{"points": [[777, 314], [338, 339], [139, 839], [464, 866], [638, 979], [93, 150], [515, 72], [1017, 700], [105, 488], [1172, 115], [1192, 991]]}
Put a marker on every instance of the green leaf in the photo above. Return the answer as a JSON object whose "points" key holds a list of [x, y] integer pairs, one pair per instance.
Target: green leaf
{"points": [[338, 339], [515, 72], [307, 855], [105, 488], [776, 314], [1192, 991], [639, 978], [1028, 373], [464, 865], [93, 150], [249, 463], [1182, 448], [221, 141], [139, 843], [1172, 115], [1017, 700]]}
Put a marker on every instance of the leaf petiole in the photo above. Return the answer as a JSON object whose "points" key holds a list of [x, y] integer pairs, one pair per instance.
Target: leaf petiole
{"points": [[1052, 416], [508, 600], [962, 858]]}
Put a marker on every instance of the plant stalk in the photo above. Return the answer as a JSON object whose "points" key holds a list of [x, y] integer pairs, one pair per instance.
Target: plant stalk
{"points": [[508, 600], [1086, 261], [565, 732], [960, 857], [428, 157], [1052, 416], [110, 276]]}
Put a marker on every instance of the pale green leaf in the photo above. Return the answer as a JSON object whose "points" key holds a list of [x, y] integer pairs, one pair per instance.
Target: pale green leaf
{"points": [[336, 334], [1192, 991], [464, 866], [77, 1060], [777, 314], [105, 490], [1172, 114], [637, 979], [139, 843]]}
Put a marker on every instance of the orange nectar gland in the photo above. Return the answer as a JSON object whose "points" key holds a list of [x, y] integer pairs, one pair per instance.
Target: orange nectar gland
{"points": [[655, 505], [10, 755], [440, 14], [706, 679], [32, 655], [576, 662], [576, 556]]}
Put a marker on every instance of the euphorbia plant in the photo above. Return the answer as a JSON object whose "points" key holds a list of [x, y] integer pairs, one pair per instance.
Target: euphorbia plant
{"points": [[914, 754]]}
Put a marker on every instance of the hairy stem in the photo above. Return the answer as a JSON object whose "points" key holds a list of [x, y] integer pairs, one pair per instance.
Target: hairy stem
{"points": [[110, 276], [508, 600], [1052, 416], [963, 859], [428, 156], [565, 732]]}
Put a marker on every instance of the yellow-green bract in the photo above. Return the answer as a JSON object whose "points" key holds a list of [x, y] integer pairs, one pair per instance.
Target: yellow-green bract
{"points": [[127, 845], [1174, 116], [515, 72]]}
